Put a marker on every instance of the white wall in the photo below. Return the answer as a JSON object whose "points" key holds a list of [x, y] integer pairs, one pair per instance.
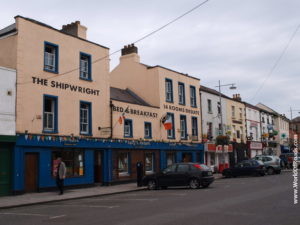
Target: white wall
{"points": [[7, 101], [213, 117], [253, 118]]}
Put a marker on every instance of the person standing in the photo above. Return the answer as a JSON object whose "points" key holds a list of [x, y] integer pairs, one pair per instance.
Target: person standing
{"points": [[60, 175]]}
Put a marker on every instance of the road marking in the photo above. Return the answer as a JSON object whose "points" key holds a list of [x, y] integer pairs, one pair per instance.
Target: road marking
{"points": [[55, 217], [131, 199], [87, 206], [24, 214]]}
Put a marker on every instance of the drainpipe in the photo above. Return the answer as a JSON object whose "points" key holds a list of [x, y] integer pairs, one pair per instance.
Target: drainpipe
{"points": [[111, 119]]}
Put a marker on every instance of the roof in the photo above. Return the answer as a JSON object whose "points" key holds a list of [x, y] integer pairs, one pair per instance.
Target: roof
{"points": [[184, 74], [45, 25], [127, 96], [212, 91], [251, 106], [7, 30], [296, 120], [266, 109]]}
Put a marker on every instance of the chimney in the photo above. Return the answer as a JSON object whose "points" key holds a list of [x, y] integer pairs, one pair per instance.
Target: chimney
{"points": [[237, 97], [130, 52], [75, 29]]}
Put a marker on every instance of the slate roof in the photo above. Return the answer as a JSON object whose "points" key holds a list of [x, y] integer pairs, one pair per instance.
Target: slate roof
{"points": [[127, 96], [9, 29]]}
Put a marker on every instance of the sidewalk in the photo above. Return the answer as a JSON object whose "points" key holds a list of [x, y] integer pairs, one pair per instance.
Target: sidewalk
{"points": [[45, 197]]}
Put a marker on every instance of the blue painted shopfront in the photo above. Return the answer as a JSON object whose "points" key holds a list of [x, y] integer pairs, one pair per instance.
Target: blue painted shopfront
{"points": [[44, 146]]}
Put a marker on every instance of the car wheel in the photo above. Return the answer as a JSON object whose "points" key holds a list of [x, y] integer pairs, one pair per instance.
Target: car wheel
{"points": [[194, 183], [270, 171], [151, 185]]}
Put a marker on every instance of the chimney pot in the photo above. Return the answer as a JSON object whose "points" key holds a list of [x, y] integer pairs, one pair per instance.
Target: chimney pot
{"points": [[129, 49]]}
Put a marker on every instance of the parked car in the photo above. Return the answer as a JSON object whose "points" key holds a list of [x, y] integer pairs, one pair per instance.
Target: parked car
{"points": [[287, 160], [244, 168], [271, 162], [193, 175]]}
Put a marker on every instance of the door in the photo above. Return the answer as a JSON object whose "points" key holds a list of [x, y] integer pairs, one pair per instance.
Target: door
{"points": [[98, 167], [5, 168], [31, 172], [186, 157]]}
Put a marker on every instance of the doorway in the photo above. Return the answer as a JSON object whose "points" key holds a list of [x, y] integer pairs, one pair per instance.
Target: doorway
{"points": [[98, 166], [5, 170], [186, 157], [31, 172]]}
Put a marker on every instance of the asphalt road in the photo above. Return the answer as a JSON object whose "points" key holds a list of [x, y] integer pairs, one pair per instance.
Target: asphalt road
{"points": [[248, 201]]}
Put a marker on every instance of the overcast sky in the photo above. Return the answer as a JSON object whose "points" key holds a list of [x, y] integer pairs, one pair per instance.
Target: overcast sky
{"points": [[235, 41]]}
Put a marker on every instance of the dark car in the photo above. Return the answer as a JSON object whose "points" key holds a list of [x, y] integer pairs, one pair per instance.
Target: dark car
{"points": [[193, 175], [246, 168]]}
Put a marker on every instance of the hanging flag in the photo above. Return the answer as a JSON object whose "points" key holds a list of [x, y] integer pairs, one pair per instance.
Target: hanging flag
{"points": [[168, 123], [120, 120]]}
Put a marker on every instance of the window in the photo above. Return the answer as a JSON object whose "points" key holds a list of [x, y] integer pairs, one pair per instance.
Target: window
{"points": [[209, 106], [263, 119], [220, 129], [128, 128], [170, 158], [149, 163], [209, 130], [193, 96], [238, 134], [170, 169], [183, 168], [85, 66], [123, 163], [183, 128], [241, 113], [171, 132], [85, 118], [74, 160], [50, 57], [233, 131], [169, 90], [148, 130], [181, 94], [232, 111], [268, 121], [50, 114], [195, 128]]}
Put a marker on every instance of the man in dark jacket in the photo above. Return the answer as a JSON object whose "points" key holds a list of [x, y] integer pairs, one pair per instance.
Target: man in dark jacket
{"points": [[60, 175]]}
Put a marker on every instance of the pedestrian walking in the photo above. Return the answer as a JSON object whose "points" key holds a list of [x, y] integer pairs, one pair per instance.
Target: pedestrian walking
{"points": [[60, 175]]}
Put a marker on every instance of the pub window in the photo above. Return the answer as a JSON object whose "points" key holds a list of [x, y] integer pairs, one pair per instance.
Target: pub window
{"points": [[181, 94], [85, 66], [183, 128], [148, 130], [74, 160], [123, 163], [170, 158], [50, 57], [169, 90], [149, 163], [128, 128], [50, 114], [85, 118]]}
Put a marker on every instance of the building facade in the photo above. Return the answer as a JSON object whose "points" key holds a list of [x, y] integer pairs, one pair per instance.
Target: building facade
{"points": [[7, 127]]}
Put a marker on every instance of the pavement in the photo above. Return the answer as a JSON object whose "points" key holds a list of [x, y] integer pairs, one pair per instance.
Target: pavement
{"points": [[46, 197]]}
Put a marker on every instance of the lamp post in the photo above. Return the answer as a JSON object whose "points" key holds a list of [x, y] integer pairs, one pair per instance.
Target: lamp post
{"points": [[232, 87]]}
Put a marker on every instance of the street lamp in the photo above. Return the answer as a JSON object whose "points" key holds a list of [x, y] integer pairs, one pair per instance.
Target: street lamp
{"points": [[232, 87]]}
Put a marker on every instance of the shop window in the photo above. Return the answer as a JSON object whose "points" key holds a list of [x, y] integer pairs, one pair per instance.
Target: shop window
{"points": [[148, 130], [193, 96], [50, 114], [51, 57], [123, 164], [170, 158], [85, 118], [181, 94], [169, 90], [74, 160], [85, 66], [149, 163], [128, 128], [183, 128]]}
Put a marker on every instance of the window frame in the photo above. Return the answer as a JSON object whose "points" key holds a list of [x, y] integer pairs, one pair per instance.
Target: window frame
{"points": [[193, 101], [89, 104], [131, 130], [89, 72], [55, 116], [196, 123], [150, 131], [172, 134], [124, 173], [180, 84], [183, 118], [56, 58], [167, 80]]}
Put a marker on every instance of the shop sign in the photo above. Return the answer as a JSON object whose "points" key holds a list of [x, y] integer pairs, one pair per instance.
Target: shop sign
{"points": [[64, 86], [181, 109], [132, 111], [256, 145]]}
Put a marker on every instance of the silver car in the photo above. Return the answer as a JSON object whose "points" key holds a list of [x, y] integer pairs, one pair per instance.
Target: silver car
{"points": [[271, 162]]}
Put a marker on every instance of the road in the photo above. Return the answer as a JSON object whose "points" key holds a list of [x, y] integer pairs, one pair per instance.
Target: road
{"points": [[249, 201]]}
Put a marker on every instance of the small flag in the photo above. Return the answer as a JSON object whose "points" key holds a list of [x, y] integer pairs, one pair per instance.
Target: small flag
{"points": [[168, 123], [121, 118]]}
